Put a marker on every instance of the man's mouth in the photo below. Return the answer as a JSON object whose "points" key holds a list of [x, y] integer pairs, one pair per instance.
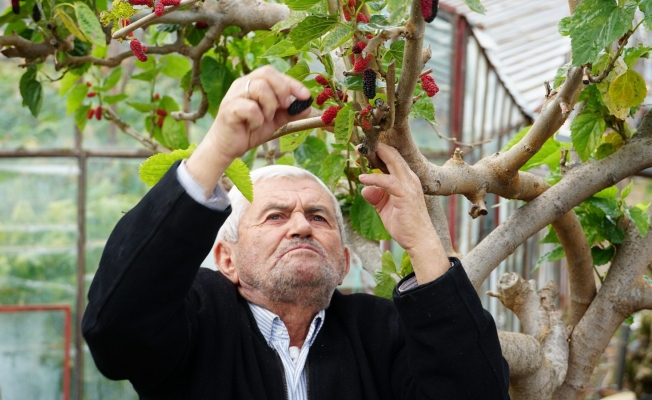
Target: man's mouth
{"points": [[301, 247]]}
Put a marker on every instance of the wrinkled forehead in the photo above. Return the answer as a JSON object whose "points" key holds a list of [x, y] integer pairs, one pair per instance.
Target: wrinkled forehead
{"points": [[287, 191]]}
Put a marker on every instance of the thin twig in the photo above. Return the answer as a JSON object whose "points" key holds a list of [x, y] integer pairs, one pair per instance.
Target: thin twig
{"points": [[298, 126], [391, 95], [129, 130], [612, 61], [455, 141], [122, 33]]}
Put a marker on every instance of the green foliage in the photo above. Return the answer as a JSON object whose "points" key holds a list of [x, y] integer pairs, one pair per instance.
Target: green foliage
{"points": [[387, 277], [89, 24], [554, 255], [586, 129], [216, 80], [344, 124], [32, 91], [152, 170], [475, 5], [239, 175], [365, 220], [628, 90]]}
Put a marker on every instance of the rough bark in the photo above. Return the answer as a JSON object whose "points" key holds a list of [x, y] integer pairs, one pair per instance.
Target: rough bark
{"points": [[618, 298], [539, 364], [438, 220]]}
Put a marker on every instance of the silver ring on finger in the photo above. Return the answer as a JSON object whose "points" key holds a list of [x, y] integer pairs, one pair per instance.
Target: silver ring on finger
{"points": [[247, 89]]}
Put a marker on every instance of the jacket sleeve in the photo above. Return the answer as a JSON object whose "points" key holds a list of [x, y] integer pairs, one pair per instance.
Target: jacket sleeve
{"points": [[140, 321], [452, 345]]}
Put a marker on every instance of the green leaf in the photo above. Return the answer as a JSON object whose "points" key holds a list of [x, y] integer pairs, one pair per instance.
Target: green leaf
{"points": [[283, 48], [406, 265], [336, 37], [628, 90], [586, 129], [89, 24], [641, 218], [152, 170], [549, 154], [646, 7], [115, 98], [69, 23], [285, 159], [376, 22], [560, 75], [300, 5], [516, 138], [395, 53], [632, 54], [241, 178], [648, 279], [602, 256], [311, 28], [551, 237], [81, 117], [564, 26], [627, 190], [595, 25], [311, 154], [604, 150], [385, 285], [344, 124], [388, 264], [146, 76], [475, 5], [609, 193], [332, 168], [424, 108], [67, 82], [398, 9], [216, 80], [366, 221], [554, 255], [376, 5], [299, 71], [32, 91], [146, 65], [111, 80], [609, 207], [174, 133], [293, 140], [174, 66], [142, 107], [76, 97]]}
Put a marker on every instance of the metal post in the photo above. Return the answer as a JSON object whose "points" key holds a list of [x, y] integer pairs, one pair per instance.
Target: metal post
{"points": [[81, 264]]}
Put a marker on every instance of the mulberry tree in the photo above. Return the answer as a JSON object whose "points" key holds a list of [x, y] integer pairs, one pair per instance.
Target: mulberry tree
{"points": [[370, 82]]}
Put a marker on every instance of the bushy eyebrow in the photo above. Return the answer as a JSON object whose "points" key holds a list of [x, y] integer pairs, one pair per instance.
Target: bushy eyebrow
{"points": [[285, 207]]}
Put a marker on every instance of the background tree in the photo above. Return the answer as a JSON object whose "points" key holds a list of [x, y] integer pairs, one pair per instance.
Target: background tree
{"points": [[373, 81]]}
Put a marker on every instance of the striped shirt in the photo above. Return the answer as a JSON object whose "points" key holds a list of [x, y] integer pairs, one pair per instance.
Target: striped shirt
{"points": [[292, 358]]}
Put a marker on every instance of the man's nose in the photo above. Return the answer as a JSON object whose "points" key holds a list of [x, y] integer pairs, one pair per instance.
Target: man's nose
{"points": [[299, 226]]}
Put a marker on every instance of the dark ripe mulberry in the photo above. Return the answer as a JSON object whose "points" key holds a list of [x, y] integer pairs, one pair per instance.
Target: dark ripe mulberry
{"points": [[361, 63], [321, 80], [161, 112], [199, 25], [91, 112], [159, 9], [98, 113], [428, 84], [362, 18], [357, 49], [298, 106], [369, 83], [36, 13], [15, 6], [138, 50], [329, 115], [429, 9]]}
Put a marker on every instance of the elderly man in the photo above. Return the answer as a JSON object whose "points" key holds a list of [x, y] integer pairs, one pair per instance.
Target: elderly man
{"points": [[271, 324]]}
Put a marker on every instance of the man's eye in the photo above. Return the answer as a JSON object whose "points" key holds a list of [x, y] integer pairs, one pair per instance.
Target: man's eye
{"points": [[274, 217], [319, 218]]}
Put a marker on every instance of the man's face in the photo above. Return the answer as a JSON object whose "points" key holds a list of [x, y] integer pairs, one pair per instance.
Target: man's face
{"points": [[290, 248]]}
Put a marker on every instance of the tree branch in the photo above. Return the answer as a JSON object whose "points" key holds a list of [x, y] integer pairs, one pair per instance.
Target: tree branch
{"points": [[29, 50], [645, 302], [297, 126], [126, 128], [438, 220], [411, 70], [148, 19]]}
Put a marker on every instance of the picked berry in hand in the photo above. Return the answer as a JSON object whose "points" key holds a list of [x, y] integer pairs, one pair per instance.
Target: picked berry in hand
{"points": [[298, 106]]}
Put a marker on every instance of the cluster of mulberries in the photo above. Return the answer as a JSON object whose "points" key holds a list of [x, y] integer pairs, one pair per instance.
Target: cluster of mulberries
{"points": [[366, 110], [97, 112], [329, 115], [357, 49], [321, 80], [361, 63], [429, 9], [159, 9], [362, 18], [369, 83], [328, 94], [428, 84], [138, 49]]}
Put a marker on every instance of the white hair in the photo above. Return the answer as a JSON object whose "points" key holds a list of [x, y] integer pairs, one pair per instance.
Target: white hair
{"points": [[239, 204]]}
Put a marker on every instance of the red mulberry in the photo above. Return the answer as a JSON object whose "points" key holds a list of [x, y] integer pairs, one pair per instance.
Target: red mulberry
{"points": [[362, 18], [329, 115], [159, 122], [157, 96], [352, 3], [201, 25], [370, 36], [361, 63], [429, 9], [366, 125], [98, 113], [138, 49], [148, 3], [91, 94], [170, 2], [161, 113], [366, 110], [357, 49], [369, 83], [321, 80], [347, 15], [428, 84], [91, 112], [159, 9]]}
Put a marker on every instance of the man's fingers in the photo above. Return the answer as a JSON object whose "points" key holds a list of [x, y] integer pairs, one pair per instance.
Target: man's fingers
{"points": [[283, 86], [376, 196], [396, 165], [263, 94], [388, 183], [248, 113]]}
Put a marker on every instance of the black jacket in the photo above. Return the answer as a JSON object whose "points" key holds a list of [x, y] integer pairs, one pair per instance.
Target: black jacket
{"points": [[180, 332]]}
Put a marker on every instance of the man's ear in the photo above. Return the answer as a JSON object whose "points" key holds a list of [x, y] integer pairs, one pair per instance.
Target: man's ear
{"points": [[347, 263], [223, 256]]}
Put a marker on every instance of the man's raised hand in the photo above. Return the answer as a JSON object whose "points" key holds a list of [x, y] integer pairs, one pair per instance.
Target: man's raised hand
{"points": [[399, 200]]}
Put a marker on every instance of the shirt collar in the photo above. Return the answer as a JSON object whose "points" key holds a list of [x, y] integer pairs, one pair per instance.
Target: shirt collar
{"points": [[272, 328]]}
